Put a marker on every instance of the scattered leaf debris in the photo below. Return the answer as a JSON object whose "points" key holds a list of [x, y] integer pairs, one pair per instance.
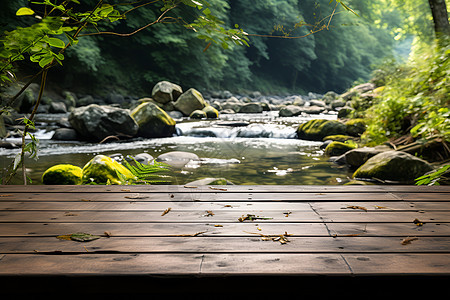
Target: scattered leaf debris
{"points": [[8, 195], [172, 195], [136, 196], [252, 217], [195, 234], [356, 207], [107, 234], [418, 222], [125, 190], [408, 240], [218, 225], [190, 187], [86, 200], [282, 238], [166, 211], [208, 213], [286, 214], [78, 237], [219, 189], [381, 207], [69, 214]]}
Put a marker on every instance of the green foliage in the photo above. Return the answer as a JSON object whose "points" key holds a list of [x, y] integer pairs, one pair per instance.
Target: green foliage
{"points": [[434, 177], [147, 174], [415, 100]]}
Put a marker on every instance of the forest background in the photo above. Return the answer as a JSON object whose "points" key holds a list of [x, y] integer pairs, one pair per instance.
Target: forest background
{"points": [[345, 53]]}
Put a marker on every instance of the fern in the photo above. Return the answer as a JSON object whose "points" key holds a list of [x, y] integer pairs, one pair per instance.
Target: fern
{"points": [[147, 174]]}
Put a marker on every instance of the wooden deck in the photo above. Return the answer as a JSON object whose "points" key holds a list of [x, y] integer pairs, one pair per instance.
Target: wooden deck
{"points": [[177, 239]]}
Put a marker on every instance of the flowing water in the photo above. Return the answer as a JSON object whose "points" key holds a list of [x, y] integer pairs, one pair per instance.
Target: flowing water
{"points": [[243, 148]]}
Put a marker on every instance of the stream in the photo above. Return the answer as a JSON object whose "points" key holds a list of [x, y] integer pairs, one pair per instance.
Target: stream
{"points": [[246, 149]]}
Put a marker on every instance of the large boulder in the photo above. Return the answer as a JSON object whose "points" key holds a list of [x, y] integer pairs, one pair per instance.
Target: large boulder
{"points": [[339, 148], [393, 165], [189, 101], [63, 174], [105, 170], [153, 121], [290, 111], [357, 157], [317, 129], [198, 114], [65, 134], [211, 112], [95, 122], [251, 108], [165, 91]]}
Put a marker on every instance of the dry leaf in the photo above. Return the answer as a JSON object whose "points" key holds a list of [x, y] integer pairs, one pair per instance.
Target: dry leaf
{"points": [[190, 187], [381, 207], [86, 200], [408, 240], [218, 225], [357, 207], [78, 237], [166, 211], [276, 238], [9, 195], [418, 222], [69, 214], [219, 189], [195, 234], [209, 213], [252, 217], [125, 190], [287, 213], [107, 234]]}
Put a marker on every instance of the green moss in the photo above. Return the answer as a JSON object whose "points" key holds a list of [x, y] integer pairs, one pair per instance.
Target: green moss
{"points": [[339, 138], [103, 169], [198, 114], [338, 148], [153, 121], [211, 112], [63, 174], [356, 127], [317, 129]]}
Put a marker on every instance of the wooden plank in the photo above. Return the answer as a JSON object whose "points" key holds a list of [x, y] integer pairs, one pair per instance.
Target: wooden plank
{"points": [[227, 264], [228, 229], [134, 205], [197, 244], [230, 188], [195, 196], [221, 216]]}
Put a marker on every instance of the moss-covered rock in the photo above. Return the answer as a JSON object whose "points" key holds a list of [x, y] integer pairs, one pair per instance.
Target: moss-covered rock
{"points": [[339, 148], [317, 129], [356, 127], [63, 174], [103, 169], [153, 121], [211, 112], [393, 166], [339, 138], [189, 101], [198, 114]]}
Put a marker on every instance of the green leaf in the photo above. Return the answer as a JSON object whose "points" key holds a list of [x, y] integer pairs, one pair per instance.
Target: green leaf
{"points": [[55, 42], [25, 11], [45, 61], [78, 237]]}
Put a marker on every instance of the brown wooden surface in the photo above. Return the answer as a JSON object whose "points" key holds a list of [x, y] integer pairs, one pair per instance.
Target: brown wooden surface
{"points": [[332, 230]]}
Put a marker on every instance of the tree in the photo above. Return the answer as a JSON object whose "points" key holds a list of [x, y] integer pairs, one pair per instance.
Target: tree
{"points": [[440, 18]]}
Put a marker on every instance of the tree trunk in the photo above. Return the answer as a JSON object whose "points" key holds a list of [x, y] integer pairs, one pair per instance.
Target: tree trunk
{"points": [[440, 18]]}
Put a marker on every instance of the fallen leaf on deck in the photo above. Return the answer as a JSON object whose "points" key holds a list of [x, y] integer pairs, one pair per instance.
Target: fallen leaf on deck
{"points": [[166, 211], [195, 234], [9, 195], [219, 189], [107, 234], [282, 238], [252, 217], [418, 222], [86, 200], [408, 240], [78, 237], [190, 187], [357, 207], [208, 214], [218, 225], [136, 196], [381, 207], [125, 190], [69, 214], [287, 213]]}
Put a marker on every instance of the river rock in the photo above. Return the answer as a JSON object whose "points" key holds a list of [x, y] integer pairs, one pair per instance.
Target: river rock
{"points": [[3, 131], [317, 129], [177, 159], [164, 92], [251, 108], [96, 122], [316, 102], [314, 110], [338, 148], [175, 114], [103, 169], [211, 112], [189, 101], [330, 96], [198, 114], [63, 174], [153, 121], [393, 165], [356, 127], [57, 108], [357, 157], [345, 111], [65, 134], [290, 111], [143, 158]]}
